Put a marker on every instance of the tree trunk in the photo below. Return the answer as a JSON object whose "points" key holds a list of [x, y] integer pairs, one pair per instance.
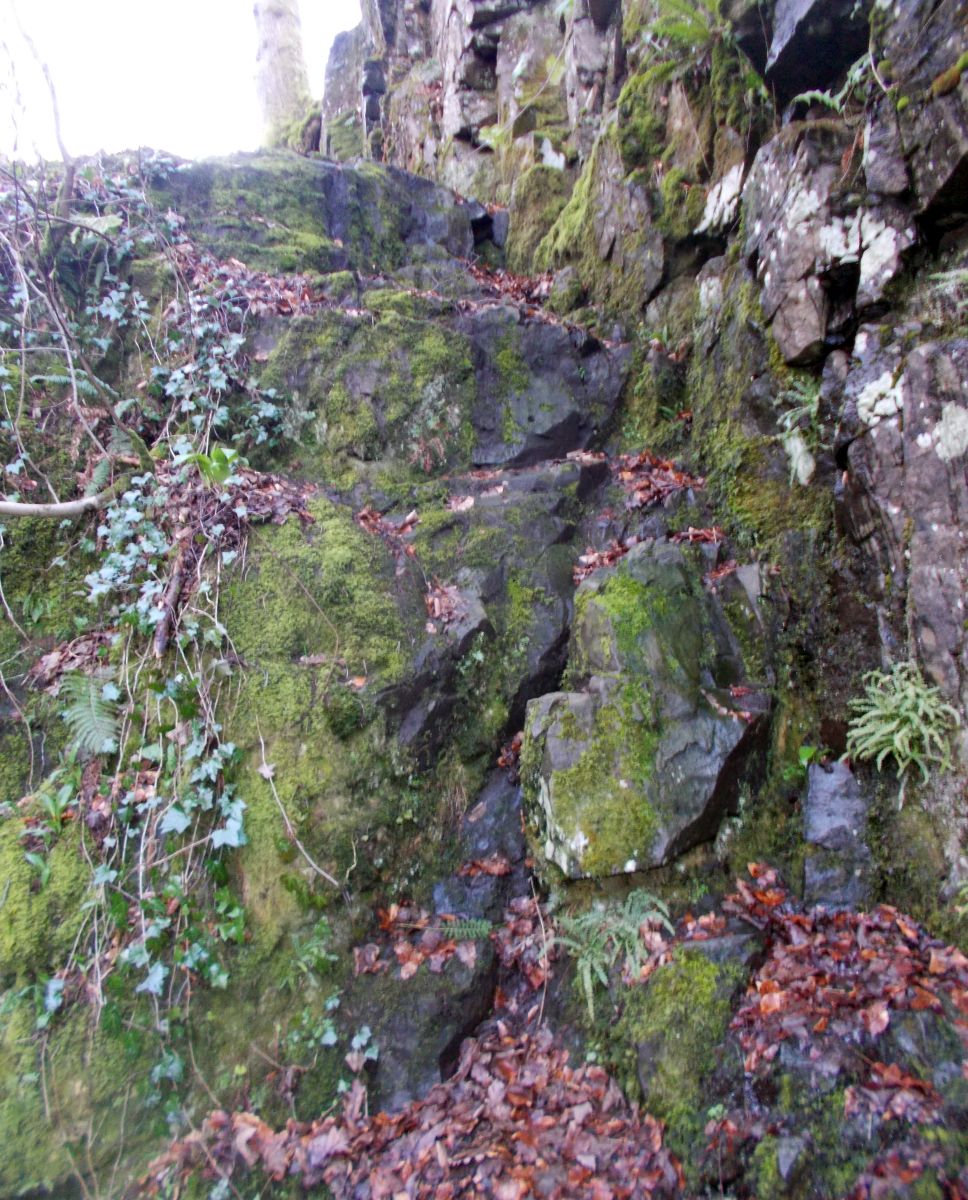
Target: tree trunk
{"points": [[281, 78]]}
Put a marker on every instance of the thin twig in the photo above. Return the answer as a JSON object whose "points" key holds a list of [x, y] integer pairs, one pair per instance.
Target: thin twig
{"points": [[266, 774]]}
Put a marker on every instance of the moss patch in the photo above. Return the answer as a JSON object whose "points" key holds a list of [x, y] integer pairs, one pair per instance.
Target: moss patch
{"points": [[680, 1020], [537, 199], [401, 389]]}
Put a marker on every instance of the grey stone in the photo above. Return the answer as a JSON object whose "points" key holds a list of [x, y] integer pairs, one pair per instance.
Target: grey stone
{"points": [[419, 1023], [818, 248], [838, 864], [500, 226], [789, 1157], [344, 69], [813, 42], [885, 169], [374, 81], [933, 122], [492, 825], [543, 390], [907, 496], [602, 11]]}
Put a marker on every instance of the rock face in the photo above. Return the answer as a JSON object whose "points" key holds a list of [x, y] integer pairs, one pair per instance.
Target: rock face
{"points": [[821, 252], [907, 495], [644, 762], [646, 516], [932, 124], [814, 41]]}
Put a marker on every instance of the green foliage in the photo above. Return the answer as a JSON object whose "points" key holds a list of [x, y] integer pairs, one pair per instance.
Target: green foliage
{"points": [[800, 431], [902, 717], [91, 712], [953, 281], [690, 25], [469, 929], [854, 88], [601, 937], [218, 467]]}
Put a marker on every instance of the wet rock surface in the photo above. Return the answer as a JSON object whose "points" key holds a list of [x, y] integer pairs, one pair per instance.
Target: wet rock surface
{"points": [[835, 816]]}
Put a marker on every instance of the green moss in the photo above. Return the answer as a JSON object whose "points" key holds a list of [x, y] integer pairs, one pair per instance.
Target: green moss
{"points": [[641, 125], [342, 139], [74, 1103], [565, 240], [766, 1170], [600, 795], [280, 212], [38, 926], [683, 202], [537, 199], [680, 1020], [747, 470], [400, 389], [404, 304], [619, 278], [324, 592]]}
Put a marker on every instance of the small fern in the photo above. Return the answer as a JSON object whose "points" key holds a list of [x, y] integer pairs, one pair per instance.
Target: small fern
{"points": [[601, 937], [469, 929], [689, 24], [90, 712], [900, 716], [99, 477]]}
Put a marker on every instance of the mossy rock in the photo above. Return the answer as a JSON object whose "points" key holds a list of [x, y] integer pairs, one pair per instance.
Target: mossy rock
{"points": [[398, 390], [607, 233], [280, 212], [643, 764], [537, 198], [677, 1025]]}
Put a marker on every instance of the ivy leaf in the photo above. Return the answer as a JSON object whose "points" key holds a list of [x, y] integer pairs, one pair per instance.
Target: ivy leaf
{"points": [[154, 981], [174, 821], [229, 835]]}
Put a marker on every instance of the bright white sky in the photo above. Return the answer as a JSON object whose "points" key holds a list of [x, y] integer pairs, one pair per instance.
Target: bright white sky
{"points": [[175, 75]]}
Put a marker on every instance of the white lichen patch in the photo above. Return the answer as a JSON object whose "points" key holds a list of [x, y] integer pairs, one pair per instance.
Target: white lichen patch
{"points": [[880, 399], [551, 157], [710, 295], [951, 433], [722, 202], [803, 205], [839, 240], [802, 463], [881, 257]]}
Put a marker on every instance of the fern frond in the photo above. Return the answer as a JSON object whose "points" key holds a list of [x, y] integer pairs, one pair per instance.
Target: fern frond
{"points": [[92, 720], [99, 477], [469, 929], [902, 717]]}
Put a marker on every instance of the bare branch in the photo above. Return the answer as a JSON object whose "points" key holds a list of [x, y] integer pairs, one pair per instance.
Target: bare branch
{"points": [[67, 508]]}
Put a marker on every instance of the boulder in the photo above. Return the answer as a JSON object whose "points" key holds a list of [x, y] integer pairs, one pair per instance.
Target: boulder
{"points": [[279, 212], [418, 1024], [543, 389], [644, 761]]}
